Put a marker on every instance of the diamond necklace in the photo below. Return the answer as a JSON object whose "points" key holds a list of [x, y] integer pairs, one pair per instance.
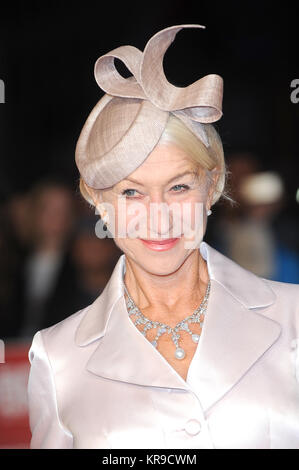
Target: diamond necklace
{"points": [[196, 317]]}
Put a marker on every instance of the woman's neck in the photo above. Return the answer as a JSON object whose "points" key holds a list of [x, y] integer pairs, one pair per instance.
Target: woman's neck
{"points": [[179, 291]]}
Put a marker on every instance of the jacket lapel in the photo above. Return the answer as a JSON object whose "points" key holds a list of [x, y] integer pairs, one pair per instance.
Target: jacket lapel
{"points": [[122, 351], [232, 340], [125, 354], [236, 332]]}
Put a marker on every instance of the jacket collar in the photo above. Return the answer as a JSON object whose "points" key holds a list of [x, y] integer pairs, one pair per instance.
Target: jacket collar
{"points": [[247, 288], [235, 333], [252, 292]]}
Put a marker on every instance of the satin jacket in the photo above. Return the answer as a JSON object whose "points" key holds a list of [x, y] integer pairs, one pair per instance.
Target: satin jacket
{"points": [[96, 382]]}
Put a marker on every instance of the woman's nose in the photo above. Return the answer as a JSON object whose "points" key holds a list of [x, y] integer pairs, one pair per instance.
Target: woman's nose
{"points": [[159, 216], [157, 197]]}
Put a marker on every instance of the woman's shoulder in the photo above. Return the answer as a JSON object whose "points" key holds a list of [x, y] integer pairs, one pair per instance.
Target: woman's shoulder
{"points": [[58, 339], [287, 300], [284, 288]]}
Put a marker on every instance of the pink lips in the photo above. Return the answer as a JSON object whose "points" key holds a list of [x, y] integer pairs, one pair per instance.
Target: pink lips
{"points": [[160, 245]]}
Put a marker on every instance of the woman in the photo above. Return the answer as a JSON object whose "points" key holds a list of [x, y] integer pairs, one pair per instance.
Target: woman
{"points": [[183, 348]]}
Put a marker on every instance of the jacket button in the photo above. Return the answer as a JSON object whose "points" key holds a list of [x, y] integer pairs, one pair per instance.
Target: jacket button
{"points": [[193, 427]]}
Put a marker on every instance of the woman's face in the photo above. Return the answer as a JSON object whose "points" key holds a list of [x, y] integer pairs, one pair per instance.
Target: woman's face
{"points": [[164, 198]]}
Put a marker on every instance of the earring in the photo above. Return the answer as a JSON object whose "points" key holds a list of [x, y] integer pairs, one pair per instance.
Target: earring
{"points": [[104, 216], [105, 227], [209, 212]]}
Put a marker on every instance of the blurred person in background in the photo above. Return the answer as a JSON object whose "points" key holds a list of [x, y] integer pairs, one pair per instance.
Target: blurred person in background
{"points": [[52, 262], [14, 245], [94, 259], [239, 166], [255, 244], [47, 266], [249, 230], [17, 210]]}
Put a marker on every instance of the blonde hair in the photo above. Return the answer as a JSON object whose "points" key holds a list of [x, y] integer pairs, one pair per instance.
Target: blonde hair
{"points": [[84, 192], [211, 158], [208, 158]]}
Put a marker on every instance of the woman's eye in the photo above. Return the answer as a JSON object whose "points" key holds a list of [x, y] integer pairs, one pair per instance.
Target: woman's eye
{"points": [[126, 191], [181, 189], [185, 186]]}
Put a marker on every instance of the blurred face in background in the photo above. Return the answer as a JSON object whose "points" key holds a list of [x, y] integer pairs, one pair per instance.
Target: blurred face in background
{"points": [[18, 208], [53, 214]]}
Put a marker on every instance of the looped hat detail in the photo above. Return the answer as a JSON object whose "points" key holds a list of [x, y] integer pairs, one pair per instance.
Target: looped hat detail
{"points": [[127, 123]]}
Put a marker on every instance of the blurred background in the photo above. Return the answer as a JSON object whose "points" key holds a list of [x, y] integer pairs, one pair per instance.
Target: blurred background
{"points": [[51, 262]]}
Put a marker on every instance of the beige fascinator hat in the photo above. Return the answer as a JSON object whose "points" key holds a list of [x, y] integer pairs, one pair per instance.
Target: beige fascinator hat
{"points": [[128, 121]]}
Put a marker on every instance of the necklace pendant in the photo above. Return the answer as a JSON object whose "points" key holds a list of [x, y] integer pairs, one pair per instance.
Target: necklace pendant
{"points": [[195, 338], [179, 353]]}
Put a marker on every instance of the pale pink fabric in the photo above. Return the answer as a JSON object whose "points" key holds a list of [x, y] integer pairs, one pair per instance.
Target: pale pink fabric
{"points": [[97, 382]]}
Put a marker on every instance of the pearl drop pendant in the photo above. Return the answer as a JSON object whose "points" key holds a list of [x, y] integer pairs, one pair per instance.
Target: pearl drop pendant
{"points": [[179, 353], [195, 338]]}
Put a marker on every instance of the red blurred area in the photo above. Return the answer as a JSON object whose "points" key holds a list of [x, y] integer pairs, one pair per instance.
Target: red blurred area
{"points": [[14, 421]]}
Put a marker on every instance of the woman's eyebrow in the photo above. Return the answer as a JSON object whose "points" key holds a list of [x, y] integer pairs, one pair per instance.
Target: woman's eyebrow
{"points": [[172, 179]]}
